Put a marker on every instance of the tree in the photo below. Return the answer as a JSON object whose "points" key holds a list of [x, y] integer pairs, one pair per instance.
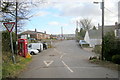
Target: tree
{"points": [[94, 28], [8, 11], [6, 46], [86, 24], [82, 33], [111, 46]]}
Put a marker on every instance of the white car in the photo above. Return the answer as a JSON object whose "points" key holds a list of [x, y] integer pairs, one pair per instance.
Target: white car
{"points": [[36, 46], [83, 43], [33, 51]]}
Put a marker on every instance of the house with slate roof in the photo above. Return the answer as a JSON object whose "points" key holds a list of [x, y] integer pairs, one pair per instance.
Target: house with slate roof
{"points": [[34, 35], [94, 37]]}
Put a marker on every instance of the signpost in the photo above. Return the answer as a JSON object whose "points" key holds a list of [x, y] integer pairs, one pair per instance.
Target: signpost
{"points": [[9, 26]]}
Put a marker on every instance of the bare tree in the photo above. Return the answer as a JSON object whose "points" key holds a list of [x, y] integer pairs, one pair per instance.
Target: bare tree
{"points": [[86, 24], [8, 10]]}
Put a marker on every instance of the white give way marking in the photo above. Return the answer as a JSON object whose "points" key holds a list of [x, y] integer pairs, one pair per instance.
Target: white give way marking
{"points": [[67, 66], [47, 63], [62, 55]]}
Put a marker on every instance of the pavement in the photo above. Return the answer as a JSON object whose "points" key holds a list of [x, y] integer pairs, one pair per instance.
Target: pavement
{"points": [[66, 60]]}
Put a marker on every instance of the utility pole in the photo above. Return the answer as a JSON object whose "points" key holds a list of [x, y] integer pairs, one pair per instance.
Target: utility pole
{"points": [[102, 29], [61, 33], [102, 52], [76, 31], [16, 25]]}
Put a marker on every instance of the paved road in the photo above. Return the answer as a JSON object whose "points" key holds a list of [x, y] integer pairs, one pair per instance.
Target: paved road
{"points": [[66, 60]]}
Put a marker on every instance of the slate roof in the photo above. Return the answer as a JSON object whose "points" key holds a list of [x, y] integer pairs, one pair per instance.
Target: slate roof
{"points": [[97, 34], [30, 32], [107, 28]]}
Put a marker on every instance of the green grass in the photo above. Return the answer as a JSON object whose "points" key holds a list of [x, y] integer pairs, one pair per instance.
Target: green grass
{"points": [[106, 64], [10, 70]]}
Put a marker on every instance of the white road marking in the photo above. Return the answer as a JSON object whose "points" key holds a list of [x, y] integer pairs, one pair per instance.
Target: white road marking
{"points": [[57, 51], [47, 63], [62, 55], [67, 66]]}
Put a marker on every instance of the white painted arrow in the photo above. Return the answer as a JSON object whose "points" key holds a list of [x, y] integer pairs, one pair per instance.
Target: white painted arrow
{"points": [[47, 63]]}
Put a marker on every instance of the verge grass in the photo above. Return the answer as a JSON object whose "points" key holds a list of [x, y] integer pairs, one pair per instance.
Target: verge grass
{"points": [[10, 70], [106, 64]]}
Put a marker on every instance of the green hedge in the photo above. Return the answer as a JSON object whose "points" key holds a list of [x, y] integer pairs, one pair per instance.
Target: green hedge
{"points": [[111, 46], [116, 59], [97, 49], [6, 45]]}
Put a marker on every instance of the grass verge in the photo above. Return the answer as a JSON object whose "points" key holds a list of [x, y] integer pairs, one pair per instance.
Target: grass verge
{"points": [[10, 70], [106, 64]]}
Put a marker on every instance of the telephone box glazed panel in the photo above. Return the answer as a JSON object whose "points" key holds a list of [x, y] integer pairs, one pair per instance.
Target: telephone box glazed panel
{"points": [[22, 47]]}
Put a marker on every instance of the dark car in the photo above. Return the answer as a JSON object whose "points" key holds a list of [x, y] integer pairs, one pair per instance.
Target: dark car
{"points": [[45, 45]]}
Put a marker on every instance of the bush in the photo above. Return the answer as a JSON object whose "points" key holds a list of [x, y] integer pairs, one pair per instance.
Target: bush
{"points": [[97, 49], [116, 59], [111, 46], [6, 46]]}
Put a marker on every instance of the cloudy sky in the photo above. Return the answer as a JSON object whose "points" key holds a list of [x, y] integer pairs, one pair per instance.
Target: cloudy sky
{"points": [[54, 14]]}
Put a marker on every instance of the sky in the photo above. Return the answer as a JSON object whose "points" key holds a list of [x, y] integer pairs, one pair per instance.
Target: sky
{"points": [[51, 15]]}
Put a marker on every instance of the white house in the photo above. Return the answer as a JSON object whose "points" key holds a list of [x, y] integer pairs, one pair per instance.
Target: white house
{"points": [[93, 37]]}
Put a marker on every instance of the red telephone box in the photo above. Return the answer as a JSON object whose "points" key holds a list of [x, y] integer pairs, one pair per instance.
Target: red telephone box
{"points": [[22, 47]]}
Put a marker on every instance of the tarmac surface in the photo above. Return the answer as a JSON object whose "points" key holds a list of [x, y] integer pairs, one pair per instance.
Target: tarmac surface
{"points": [[66, 60]]}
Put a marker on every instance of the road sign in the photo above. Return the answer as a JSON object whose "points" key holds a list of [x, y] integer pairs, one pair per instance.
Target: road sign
{"points": [[9, 25]]}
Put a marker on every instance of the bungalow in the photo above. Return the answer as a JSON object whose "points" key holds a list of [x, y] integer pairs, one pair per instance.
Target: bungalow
{"points": [[94, 37]]}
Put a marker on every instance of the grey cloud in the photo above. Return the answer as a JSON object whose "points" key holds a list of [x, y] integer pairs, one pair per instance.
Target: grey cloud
{"points": [[85, 10]]}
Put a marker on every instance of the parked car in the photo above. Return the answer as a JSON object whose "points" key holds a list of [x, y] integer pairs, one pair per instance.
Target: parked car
{"points": [[36, 46], [33, 51], [83, 43], [45, 45]]}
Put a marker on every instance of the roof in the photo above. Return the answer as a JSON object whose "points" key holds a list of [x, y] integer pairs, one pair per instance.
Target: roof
{"points": [[30, 32], [107, 28], [97, 34]]}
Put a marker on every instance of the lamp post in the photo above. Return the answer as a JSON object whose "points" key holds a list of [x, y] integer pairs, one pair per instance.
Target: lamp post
{"points": [[102, 3]]}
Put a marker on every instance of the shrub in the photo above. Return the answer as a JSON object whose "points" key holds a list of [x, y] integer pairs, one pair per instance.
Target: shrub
{"points": [[110, 47], [6, 46], [97, 49], [116, 59]]}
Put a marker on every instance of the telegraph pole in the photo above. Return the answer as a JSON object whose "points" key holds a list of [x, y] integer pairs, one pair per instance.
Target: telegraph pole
{"points": [[102, 52], [61, 33], [16, 25], [102, 29]]}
